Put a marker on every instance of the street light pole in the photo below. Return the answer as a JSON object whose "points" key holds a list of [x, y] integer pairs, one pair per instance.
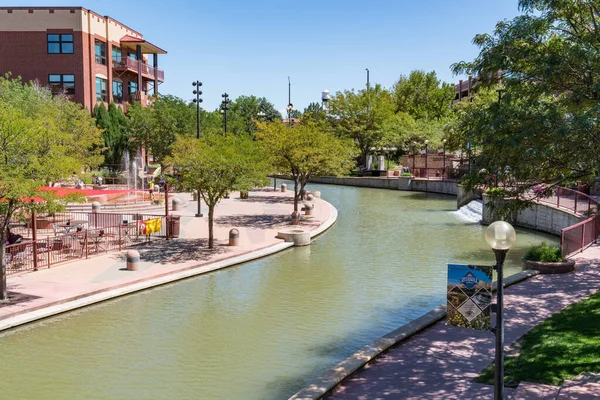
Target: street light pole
{"points": [[225, 107], [500, 236], [198, 100], [368, 82], [290, 106]]}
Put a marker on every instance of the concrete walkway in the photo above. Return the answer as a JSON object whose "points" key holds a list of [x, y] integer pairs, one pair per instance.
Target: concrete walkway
{"points": [[63, 287], [441, 361]]}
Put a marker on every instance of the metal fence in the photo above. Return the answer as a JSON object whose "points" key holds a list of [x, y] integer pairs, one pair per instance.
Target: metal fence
{"points": [[578, 237], [447, 174], [572, 200], [91, 235]]}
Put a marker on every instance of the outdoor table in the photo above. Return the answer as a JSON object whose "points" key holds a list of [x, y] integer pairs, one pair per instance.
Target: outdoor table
{"points": [[67, 227], [127, 231], [96, 242]]}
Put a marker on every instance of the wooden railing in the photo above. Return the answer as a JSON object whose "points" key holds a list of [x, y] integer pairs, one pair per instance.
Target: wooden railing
{"points": [[148, 71]]}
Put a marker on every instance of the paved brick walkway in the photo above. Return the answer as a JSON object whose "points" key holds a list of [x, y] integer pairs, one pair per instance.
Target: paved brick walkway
{"points": [[257, 218], [441, 361]]}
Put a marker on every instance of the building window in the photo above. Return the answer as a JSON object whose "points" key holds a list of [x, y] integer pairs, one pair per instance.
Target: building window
{"points": [[133, 56], [116, 55], [118, 92], [100, 52], [60, 43], [133, 88], [101, 90], [62, 83]]}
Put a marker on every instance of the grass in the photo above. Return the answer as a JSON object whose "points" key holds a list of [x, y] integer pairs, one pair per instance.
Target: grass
{"points": [[562, 347]]}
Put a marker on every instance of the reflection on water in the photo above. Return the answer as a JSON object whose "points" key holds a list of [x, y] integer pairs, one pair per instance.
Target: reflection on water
{"points": [[263, 329]]}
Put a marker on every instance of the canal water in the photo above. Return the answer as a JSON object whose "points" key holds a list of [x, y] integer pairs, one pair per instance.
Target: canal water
{"points": [[264, 329]]}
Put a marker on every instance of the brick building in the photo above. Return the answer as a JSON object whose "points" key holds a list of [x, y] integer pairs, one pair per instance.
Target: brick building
{"points": [[92, 58]]}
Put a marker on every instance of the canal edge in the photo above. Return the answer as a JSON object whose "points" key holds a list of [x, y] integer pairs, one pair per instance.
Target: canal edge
{"points": [[345, 369], [77, 302]]}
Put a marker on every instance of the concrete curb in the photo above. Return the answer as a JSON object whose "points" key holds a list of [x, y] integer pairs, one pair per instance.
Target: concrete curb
{"points": [[68, 305], [352, 364]]}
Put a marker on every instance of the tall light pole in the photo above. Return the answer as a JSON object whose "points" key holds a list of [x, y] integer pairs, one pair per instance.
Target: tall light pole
{"points": [[368, 83], [225, 107], [198, 100], [290, 106], [500, 236]]}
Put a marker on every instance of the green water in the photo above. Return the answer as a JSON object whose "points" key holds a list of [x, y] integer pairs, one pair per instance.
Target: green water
{"points": [[261, 330]]}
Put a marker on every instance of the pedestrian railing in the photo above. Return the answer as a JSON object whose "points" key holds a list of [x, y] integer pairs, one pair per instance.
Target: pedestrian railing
{"points": [[578, 237], [106, 233], [572, 200]]}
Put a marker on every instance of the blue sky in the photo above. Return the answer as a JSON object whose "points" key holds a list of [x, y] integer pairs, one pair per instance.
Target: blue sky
{"points": [[246, 47]]}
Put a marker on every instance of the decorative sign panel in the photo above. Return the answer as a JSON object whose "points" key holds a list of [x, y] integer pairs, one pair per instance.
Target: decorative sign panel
{"points": [[469, 296]]}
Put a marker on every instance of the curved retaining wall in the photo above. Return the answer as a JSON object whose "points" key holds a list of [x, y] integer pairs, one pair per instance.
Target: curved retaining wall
{"points": [[63, 306], [539, 217]]}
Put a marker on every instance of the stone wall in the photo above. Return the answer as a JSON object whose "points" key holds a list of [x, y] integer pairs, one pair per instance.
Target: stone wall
{"points": [[539, 217]]}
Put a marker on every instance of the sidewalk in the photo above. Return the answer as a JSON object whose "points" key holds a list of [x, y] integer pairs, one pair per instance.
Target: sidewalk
{"points": [[67, 286], [441, 361]]}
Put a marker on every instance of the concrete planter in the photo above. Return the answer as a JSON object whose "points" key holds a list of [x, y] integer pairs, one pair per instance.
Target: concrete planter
{"points": [[551, 267]]}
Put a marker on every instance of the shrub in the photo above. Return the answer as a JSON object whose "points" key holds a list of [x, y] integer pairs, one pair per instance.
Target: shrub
{"points": [[406, 174], [545, 253]]}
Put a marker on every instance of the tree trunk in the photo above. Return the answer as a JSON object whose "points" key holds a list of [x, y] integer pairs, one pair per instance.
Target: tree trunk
{"points": [[3, 291], [296, 193], [211, 213]]}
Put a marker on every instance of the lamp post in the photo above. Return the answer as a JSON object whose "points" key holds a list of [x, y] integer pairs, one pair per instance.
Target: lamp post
{"points": [[368, 82], [290, 106], [426, 165], [225, 107], [198, 100], [290, 109], [444, 155], [500, 236]]}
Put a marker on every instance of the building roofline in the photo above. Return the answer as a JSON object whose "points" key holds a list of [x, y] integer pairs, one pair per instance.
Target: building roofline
{"points": [[70, 8]]}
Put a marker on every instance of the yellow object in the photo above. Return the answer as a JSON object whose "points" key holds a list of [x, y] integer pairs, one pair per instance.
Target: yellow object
{"points": [[153, 225]]}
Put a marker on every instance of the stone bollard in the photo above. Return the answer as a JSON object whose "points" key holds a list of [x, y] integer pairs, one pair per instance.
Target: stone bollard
{"points": [[234, 237], [308, 208], [295, 218], [283, 187], [96, 207], [176, 204], [310, 197], [133, 260], [317, 194]]}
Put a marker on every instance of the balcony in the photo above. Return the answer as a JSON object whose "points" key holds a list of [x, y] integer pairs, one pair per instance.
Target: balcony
{"points": [[129, 64]]}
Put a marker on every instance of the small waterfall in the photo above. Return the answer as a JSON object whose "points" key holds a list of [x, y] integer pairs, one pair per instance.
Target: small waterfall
{"points": [[471, 212]]}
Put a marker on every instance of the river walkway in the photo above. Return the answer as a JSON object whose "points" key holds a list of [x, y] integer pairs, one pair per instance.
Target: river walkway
{"points": [[65, 287], [441, 361]]}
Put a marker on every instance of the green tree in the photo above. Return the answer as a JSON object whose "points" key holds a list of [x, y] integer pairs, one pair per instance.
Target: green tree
{"points": [[244, 112], [42, 139], [545, 128], [305, 151], [158, 126], [217, 164], [362, 117], [314, 112], [423, 96], [113, 124]]}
